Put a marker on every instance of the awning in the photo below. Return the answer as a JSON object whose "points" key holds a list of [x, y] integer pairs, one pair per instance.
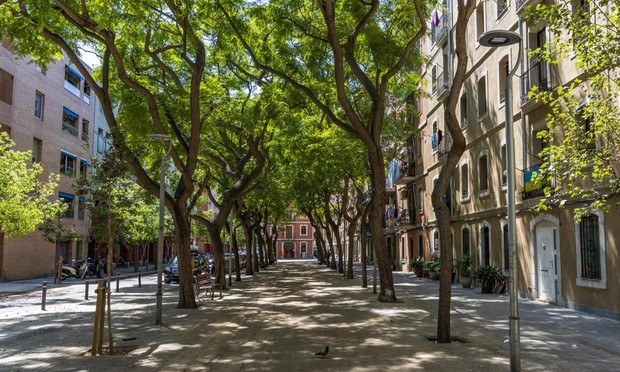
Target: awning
{"points": [[69, 112], [85, 162], [68, 154], [74, 72], [66, 196]]}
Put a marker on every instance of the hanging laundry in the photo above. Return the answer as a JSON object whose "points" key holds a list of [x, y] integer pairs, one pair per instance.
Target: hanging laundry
{"points": [[435, 20], [433, 142], [439, 136]]}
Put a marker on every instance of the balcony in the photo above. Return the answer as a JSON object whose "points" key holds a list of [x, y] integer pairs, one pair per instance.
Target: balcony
{"points": [[533, 186], [441, 30], [538, 75], [69, 128], [407, 173], [440, 84], [445, 145]]}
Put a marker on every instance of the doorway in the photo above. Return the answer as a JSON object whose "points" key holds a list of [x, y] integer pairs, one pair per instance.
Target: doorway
{"points": [[486, 246], [546, 259]]}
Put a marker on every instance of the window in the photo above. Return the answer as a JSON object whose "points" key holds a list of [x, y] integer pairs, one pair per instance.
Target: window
{"points": [[506, 248], [420, 246], [69, 121], [503, 71], [6, 87], [304, 230], [86, 96], [465, 180], [465, 241], [67, 163], [463, 104], [81, 207], [289, 232], [434, 79], [68, 200], [502, 7], [100, 141], [37, 149], [420, 200], [72, 81], [482, 96], [591, 247], [84, 165], [85, 129], [436, 242], [503, 165], [39, 101], [483, 173], [480, 26], [590, 250]]}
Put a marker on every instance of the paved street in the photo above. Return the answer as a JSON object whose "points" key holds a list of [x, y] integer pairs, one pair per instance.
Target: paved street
{"points": [[277, 319]]}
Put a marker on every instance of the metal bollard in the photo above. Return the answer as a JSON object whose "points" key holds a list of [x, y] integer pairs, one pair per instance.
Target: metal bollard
{"points": [[139, 279], [43, 295], [118, 281], [87, 282]]}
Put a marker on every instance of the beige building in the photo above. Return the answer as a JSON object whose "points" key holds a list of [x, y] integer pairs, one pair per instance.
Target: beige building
{"points": [[52, 113], [560, 261]]}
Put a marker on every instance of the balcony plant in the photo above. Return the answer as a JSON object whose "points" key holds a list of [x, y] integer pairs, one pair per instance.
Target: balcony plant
{"points": [[417, 266], [463, 267], [488, 275]]}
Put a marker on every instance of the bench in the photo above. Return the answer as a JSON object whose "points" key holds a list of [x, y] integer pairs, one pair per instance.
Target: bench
{"points": [[204, 281]]}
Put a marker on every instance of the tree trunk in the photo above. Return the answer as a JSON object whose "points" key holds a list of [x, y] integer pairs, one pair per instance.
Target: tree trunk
{"points": [[249, 266], [351, 249], [187, 298], [377, 212], [235, 248], [218, 248], [363, 255]]}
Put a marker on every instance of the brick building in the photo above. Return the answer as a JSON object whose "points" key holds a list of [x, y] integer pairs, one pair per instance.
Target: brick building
{"points": [[52, 113]]}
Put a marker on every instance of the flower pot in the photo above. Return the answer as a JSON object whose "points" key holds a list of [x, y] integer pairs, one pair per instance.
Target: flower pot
{"points": [[487, 287], [433, 275], [466, 281]]}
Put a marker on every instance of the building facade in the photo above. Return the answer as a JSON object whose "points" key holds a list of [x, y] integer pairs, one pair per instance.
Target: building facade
{"points": [[52, 113], [561, 261], [295, 238]]}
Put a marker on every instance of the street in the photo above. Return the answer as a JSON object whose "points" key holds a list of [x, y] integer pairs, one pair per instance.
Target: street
{"points": [[279, 318]]}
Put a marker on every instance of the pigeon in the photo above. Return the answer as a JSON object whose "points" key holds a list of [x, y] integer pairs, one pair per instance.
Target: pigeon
{"points": [[323, 352]]}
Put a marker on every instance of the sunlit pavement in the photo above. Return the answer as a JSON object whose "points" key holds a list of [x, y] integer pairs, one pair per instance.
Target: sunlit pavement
{"points": [[279, 318]]}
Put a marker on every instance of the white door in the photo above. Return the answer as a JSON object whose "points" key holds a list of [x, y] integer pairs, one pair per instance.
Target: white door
{"points": [[545, 249]]}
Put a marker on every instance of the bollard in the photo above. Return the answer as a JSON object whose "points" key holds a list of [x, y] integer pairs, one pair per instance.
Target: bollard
{"points": [[87, 282], [118, 281], [43, 295], [139, 279]]}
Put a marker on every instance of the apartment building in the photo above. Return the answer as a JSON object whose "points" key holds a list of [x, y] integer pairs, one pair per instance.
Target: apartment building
{"points": [[561, 261], [52, 113], [295, 238]]}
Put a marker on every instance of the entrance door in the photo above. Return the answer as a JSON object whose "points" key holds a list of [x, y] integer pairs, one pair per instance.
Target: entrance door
{"points": [[545, 252]]}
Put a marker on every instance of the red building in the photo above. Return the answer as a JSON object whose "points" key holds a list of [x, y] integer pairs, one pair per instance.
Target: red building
{"points": [[295, 238]]}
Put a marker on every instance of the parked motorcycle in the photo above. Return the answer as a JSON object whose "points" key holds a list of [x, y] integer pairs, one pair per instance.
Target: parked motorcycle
{"points": [[68, 272], [89, 268]]}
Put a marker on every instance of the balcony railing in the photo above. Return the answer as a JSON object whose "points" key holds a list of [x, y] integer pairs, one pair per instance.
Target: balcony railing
{"points": [[441, 30], [69, 128], [440, 85], [537, 76], [445, 145], [533, 185]]}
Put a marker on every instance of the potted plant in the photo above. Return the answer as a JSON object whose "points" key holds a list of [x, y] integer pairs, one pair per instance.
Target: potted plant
{"points": [[488, 275], [463, 266], [417, 266], [433, 269]]}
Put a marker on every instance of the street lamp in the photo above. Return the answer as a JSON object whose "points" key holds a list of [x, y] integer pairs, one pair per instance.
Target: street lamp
{"points": [[160, 242], [496, 38]]}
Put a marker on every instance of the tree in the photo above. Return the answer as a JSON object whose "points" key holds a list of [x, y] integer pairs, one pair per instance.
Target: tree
{"points": [[464, 11], [158, 75], [343, 58], [24, 198], [582, 156]]}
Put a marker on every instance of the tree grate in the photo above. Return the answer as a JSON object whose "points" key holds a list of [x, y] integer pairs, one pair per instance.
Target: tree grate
{"points": [[454, 339]]}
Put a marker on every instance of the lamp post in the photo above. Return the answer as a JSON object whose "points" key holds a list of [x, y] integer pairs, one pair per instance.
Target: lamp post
{"points": [[160, 241], [496, 38]]}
